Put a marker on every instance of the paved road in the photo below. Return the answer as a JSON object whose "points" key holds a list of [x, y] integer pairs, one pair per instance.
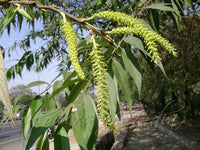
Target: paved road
{"points": [[11, 136]]}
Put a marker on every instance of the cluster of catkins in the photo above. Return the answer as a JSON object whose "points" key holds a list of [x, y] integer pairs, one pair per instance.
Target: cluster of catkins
{"points": [[99, 72], [132, 25]]}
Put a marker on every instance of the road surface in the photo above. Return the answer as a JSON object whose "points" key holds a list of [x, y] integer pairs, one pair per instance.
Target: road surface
{"points": [[11, 137]]}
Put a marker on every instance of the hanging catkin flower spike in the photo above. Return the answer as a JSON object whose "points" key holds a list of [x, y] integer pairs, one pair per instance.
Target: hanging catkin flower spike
{"points": [[70, 35], [101, 86], [148, 40], [138, 28]]}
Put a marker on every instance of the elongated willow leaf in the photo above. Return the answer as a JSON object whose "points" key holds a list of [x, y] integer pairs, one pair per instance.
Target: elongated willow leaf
{"points": [[98, 4], [22, 12], [123, 81], [137, 43], [114, 97], [162, 7], [133, 69], [35, 83], [41, 125], [4, 94], [85, 123], [61, 140], [7, 20]]}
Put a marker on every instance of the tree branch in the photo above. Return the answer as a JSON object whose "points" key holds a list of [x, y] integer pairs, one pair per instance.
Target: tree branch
{"points": [[56, 9]]}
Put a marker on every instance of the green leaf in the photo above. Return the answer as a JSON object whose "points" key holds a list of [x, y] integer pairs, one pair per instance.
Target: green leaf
{"points": [[65, 85], [40, 141], [85, 122], [10, 73], [45, 145], [133, 69], [61, 140], [123, 81], [18, 69], [35, 109], [50, 105], [141, 3], [29, 61], [114, 98], [18, 98], [76, 90], [98, 4], [26, 121], [4, 94], [136, 42], [30, 115], [35, 83], [189, 3], [154, 18], [160, 65], [41, 125], [7, 19], [24, 13], [161, 6]]}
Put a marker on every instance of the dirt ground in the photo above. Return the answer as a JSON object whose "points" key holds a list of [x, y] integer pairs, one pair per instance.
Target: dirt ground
{"points": [[150, 138], [166, 135]]}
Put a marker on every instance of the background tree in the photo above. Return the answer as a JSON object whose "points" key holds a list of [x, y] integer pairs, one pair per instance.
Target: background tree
{"points": [[18, 91]]}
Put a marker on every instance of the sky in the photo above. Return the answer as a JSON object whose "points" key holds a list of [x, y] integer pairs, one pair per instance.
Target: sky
{"points": [[46, 75]]}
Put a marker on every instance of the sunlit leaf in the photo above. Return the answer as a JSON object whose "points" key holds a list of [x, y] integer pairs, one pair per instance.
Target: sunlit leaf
{"points": [[133, 69], [123, 81], [22, 12], [85, 123], [45, 145], [26, 121], [35, 109], [41, 125], [76, 90], [61, 139], [40, 141], [50, 105], [35, 83], [114, 97], [136, 42], [7, 20], [161, 6]]}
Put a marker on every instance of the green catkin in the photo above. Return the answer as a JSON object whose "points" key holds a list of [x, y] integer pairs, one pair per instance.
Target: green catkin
{"points": [[70, 35], [148, 40], [138, 28], [101, 86]]}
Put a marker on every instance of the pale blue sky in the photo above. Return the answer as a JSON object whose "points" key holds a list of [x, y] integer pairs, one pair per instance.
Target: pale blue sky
{"points": [[46, 75]]}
